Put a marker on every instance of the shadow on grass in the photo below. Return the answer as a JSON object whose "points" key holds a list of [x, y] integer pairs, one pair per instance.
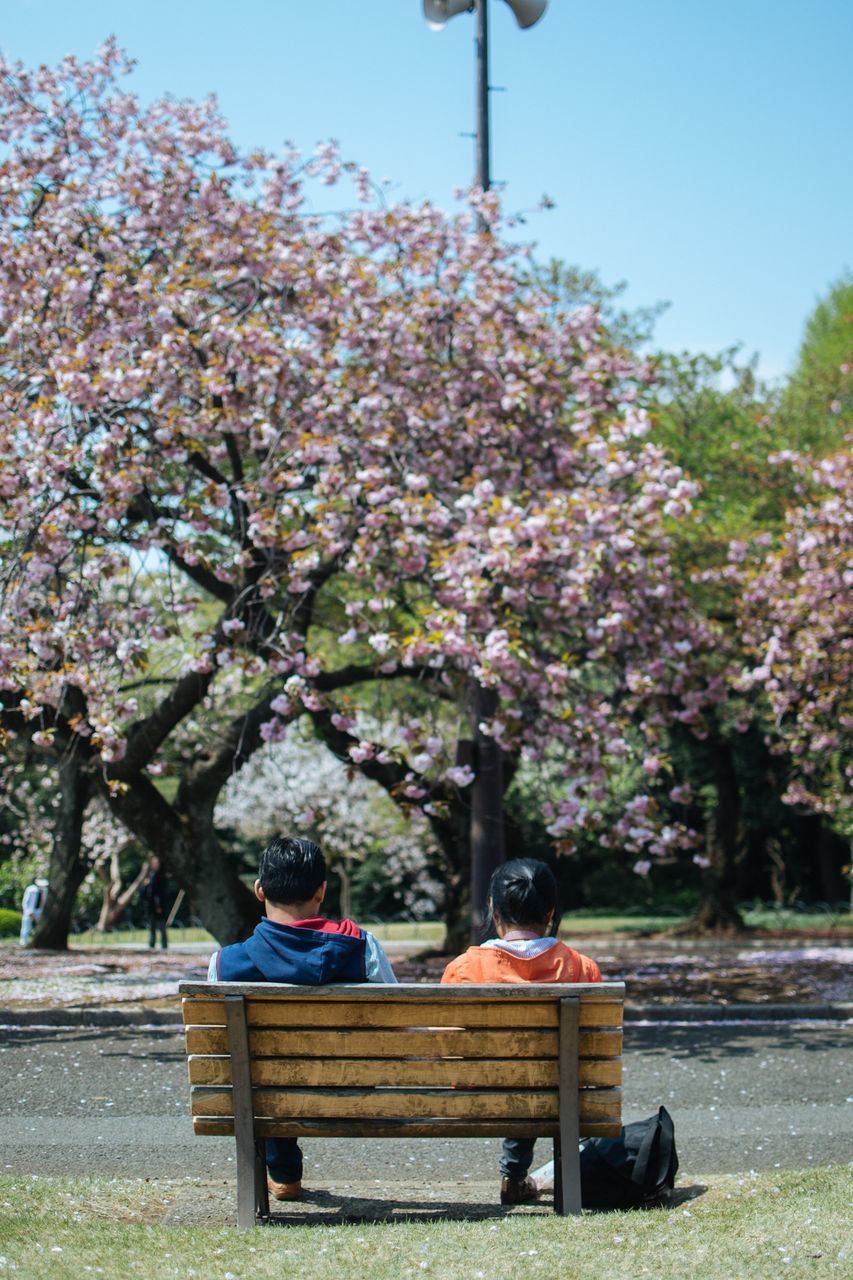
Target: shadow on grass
{"points": [[322, 1208]]}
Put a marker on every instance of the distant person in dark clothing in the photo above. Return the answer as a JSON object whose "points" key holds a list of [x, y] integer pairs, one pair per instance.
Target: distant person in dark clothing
{"points": [[154, 897]]}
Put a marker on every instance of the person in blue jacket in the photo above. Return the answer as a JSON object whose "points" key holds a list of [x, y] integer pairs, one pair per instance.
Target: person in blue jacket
{"points": [[295, 943]]}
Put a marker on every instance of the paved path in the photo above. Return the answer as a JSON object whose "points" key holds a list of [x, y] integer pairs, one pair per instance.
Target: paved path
{"points": [[114, 1102]]}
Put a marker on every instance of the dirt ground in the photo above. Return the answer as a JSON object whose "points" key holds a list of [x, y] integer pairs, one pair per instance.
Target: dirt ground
{"points": [[764, 969], [751, 969]]}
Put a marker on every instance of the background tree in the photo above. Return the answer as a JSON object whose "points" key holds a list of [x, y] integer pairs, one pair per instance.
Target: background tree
{"points": [[383, 863], [798, 615], [110, 850], [818, 396], [255, 463], [740, 442], [797, 598], [27, 799]]}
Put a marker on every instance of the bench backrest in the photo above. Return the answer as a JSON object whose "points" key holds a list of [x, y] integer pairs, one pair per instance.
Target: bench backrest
{"points": [[414, 1059]]}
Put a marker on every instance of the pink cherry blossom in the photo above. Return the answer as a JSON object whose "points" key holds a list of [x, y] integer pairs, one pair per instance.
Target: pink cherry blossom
{"points": [[256, 464]]}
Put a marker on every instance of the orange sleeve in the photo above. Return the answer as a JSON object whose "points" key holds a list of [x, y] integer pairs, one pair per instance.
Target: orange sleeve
{"points": [[589, 970]]}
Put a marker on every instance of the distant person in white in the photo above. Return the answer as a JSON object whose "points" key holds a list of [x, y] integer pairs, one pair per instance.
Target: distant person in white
{"points": [[32, 906]]}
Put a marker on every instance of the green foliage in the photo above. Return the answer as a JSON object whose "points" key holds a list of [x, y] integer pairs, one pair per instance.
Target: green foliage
{"points": [[27, 801], [10, 923], [576, 286], [716, 421], [819, 395], [15, 875], [599, 877]]}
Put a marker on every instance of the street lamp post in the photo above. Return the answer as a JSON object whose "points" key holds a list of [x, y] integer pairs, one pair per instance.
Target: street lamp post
{"points": [[484, 177], [487, 830], [437, 13]]}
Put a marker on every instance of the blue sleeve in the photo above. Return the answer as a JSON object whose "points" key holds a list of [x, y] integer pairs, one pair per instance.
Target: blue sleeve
{"points": [[212, 975], [376, 964]]}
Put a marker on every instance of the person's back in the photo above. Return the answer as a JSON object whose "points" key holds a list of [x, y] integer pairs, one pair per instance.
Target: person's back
{"points": [[523, 905], [508, 959], [294, 943]]}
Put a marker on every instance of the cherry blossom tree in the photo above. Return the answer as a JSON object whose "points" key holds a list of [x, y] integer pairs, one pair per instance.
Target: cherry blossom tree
{"points": [[752, 449], [798, 618], [258, 462]]}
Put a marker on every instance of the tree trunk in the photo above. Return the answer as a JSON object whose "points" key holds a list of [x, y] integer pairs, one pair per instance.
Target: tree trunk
{"points": [[67, 866], [487, 832], [183, 836], [115, 901], [718, 912], [833, 852], [453, 833]]}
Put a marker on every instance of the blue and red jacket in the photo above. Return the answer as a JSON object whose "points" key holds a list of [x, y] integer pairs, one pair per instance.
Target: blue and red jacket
{"points": [[312, 953]]}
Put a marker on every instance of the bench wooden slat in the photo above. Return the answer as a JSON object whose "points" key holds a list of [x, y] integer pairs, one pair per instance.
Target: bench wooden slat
{"points": [[399, 992], [353, 1103], [426, 1043], [338, 1013], [340, 1072], [467, 1128]]}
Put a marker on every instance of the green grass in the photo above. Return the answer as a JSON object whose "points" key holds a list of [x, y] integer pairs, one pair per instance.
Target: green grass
{"points": [[121, 937], [785, 918], [795, 1223], [431, 932], [614, 922], [578, 923]]}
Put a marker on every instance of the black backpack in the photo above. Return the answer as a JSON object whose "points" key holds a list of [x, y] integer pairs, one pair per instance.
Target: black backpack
{"points": [[635, 1170]]}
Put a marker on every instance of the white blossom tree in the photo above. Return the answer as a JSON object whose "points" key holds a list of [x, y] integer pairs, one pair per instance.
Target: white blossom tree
{"points": [[298, 785]]}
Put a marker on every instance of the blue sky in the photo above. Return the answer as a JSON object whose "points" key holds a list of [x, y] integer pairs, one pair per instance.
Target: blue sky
{"points": [[702, 152]]}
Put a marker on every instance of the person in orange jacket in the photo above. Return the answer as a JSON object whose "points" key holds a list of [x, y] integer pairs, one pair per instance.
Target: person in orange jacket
{"points": [[523, 907]]}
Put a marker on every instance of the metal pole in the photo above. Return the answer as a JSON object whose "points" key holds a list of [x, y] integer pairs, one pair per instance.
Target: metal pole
{"points": [[483, 176], [487, 828], [487, 832]]}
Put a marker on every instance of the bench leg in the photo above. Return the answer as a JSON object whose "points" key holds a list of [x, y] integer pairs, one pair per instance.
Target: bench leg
{"points": [[251, 1165], [567, 1169]]}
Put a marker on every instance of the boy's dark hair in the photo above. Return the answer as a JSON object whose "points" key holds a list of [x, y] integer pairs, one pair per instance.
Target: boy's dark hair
{"points": [[291, 870], [524, 893]]}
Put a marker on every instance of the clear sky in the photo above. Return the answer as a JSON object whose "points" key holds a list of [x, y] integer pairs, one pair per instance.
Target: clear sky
{"points": [[702, 152]]}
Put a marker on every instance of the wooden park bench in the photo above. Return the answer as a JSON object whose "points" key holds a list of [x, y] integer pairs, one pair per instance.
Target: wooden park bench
{"points": [[415, 1060]]}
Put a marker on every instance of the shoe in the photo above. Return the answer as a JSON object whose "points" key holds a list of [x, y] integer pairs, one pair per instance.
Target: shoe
{"points": [[284, 1190], [518, 1190]]}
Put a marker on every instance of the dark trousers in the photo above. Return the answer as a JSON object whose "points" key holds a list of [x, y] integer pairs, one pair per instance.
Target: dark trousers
{"points": [[516, 1157], [284, 1159], [155, 924]]}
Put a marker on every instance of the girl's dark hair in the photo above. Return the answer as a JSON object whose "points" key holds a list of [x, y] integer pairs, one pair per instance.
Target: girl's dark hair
{"points": [[524, 893], [291, 870]]}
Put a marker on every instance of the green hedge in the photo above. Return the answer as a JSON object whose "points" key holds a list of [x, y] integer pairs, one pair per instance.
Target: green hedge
{"points": [[10, 923]]}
